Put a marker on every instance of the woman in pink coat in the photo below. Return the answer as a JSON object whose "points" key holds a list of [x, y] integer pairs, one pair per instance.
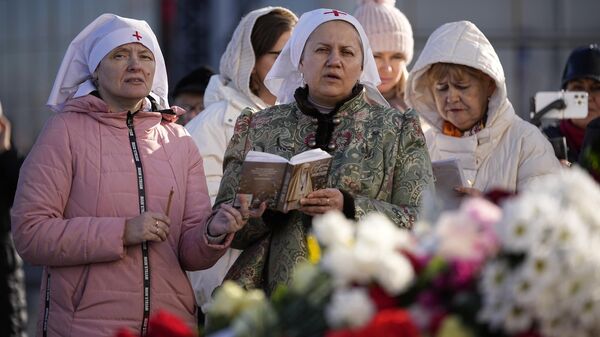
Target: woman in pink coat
{"points": [[94, 204]]}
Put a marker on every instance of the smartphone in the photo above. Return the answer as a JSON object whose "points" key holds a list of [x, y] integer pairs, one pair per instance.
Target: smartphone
{"points": [[576, 104]]}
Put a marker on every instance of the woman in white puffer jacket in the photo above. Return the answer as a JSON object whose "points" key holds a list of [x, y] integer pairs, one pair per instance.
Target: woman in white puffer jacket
{"points": [[458, 86], [256, 43]]}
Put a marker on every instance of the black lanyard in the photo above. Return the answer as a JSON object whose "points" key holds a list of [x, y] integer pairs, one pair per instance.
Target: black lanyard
{"points": [[142, 203]]}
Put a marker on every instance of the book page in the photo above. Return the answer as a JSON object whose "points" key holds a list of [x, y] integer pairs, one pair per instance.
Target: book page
{"points": [[310, 155], [264, 157], [261, 181], [305, 178], [447, 175]]}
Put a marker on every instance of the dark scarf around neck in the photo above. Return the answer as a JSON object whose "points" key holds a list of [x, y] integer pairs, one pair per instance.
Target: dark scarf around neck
{"points": [[325, 122]]}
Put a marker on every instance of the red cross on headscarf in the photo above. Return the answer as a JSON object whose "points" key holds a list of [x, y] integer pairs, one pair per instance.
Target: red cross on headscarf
{"points": [[137, 35], [335, 12]]}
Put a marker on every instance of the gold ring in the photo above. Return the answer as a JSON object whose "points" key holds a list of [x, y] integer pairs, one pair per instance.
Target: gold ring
{"points": [[327, 201], [245, 218]]}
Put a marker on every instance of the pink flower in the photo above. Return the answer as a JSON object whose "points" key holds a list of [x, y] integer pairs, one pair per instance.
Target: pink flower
{"points": [[468, 233]]}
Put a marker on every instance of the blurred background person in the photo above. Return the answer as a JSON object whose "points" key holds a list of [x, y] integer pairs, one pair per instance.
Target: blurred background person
{"points": [[391, 39], [458, 86], [589, 157], [581, 73], [112, 198], [189, 93], [252, 50], [326, 81], [13, 306]]}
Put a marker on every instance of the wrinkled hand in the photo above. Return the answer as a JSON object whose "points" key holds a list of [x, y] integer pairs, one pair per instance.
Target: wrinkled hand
{"points": [[322, 201], [229, 219], [4, 134], [147, 226], [469, 191]]}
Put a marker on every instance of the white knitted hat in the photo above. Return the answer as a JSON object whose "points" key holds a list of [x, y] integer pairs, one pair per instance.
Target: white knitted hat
{"points": [[387, 28]]}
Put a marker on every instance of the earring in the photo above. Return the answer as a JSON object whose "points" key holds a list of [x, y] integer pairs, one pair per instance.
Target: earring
{"points": [[302, 82]]}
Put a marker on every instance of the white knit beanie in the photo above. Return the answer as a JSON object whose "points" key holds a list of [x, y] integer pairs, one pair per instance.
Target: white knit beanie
{"points": [[387, 28]]}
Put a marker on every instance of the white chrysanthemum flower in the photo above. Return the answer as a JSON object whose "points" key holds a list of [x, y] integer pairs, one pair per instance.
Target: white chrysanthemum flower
{"points": [[516, 231], [340, 263], [568, 231], [496, 276], [518, 319], [561, 327], [228, 299], [523, 289], [332, 228], [588, 314], [541, 266], [395, 273], [493, 312], [367, 260], [379, 232], [349, 308], [547, 304]]}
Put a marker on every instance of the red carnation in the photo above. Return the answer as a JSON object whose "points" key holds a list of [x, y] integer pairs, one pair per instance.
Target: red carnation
{"points": [[164, 324], [386, 323], [380, 298]]}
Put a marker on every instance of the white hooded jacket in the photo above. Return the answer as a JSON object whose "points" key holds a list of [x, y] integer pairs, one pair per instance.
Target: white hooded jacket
{"points": [[227, 94], [509, 152]]}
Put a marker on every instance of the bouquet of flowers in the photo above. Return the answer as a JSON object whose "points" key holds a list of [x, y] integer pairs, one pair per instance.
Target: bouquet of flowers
{"points": [[345, 290], [530, 267]]}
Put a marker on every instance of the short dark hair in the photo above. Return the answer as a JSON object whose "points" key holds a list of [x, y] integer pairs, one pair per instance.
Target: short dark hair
{"points": [[268, 28], [195, 82]]}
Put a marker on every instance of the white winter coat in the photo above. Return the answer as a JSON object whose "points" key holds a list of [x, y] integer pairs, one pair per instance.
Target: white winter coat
{"points": [[227, 94], [509, 152]]}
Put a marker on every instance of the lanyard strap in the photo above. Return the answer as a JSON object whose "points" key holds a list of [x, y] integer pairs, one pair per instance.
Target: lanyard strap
{"points": [[142, 204], [46, 306]]}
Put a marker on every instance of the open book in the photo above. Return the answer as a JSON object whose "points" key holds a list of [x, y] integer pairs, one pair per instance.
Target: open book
{"points": [[282, 183], [447, 174]]}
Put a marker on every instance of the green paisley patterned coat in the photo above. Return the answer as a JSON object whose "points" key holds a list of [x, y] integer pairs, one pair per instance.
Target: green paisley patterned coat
{"points": [[380, 163]]}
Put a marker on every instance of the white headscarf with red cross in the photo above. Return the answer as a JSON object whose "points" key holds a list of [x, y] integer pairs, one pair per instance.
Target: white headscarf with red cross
{"points": [[284, 77], [108, 31]]}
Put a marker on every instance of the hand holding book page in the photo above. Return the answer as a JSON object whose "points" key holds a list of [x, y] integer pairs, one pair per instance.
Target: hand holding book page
{"points": [[282, 183]]}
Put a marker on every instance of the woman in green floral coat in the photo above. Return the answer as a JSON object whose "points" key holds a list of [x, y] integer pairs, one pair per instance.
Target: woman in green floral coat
{"points": [[326, 80]]}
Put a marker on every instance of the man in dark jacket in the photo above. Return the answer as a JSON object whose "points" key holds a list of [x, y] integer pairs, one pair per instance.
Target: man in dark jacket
{"points": [[13, 309], [582, 73]]}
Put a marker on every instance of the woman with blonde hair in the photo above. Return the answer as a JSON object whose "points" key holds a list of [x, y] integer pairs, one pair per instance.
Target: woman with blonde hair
{"points": [[458, 86], [391, 38]]}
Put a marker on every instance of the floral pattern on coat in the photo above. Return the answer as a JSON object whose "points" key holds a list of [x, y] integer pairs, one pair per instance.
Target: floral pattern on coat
{"points": [[380, 159]]}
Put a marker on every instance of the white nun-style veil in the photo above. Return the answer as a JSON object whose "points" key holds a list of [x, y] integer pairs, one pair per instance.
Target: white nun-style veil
{"points": [[108, 31], [284, 77]]}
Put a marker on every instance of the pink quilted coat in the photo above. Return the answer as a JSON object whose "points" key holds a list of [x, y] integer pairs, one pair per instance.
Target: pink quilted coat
{"points": [[76, 190]]}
